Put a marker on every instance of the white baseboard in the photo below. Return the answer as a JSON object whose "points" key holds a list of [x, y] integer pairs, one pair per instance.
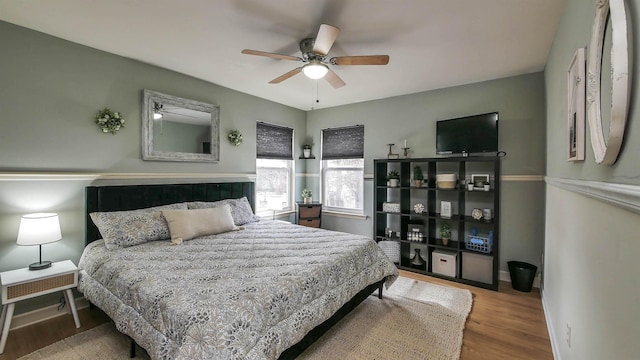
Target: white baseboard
{"points": [[45, 313], [552, 337]]}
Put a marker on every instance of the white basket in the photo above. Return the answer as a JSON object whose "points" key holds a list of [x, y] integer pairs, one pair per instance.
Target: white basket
{"points": [[391, 249]]}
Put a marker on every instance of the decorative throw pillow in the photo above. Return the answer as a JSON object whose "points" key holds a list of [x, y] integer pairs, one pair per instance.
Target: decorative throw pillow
{"points": [[240, 209], [121, 229], [188, 224]]}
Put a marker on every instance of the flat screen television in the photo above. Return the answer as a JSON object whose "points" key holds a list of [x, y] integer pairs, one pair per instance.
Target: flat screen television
{"points": [[467, 135]]}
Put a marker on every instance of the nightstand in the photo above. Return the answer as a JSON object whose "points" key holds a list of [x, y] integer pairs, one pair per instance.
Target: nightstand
{"points": [[24, 284], [310, 214]]}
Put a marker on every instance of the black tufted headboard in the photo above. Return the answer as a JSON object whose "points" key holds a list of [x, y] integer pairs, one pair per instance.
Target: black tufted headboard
{"points": [[130, 197]]}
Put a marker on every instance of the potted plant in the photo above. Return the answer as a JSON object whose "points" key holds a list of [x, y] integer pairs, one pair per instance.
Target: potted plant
{"points": [[306, 150], [445, 232], [487, 186], [418, 176], [470, 185], [307, 196], [393, 178]]}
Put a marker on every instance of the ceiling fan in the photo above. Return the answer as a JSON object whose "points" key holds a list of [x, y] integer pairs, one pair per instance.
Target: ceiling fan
{"points": [[314, 55], [160, 109]]}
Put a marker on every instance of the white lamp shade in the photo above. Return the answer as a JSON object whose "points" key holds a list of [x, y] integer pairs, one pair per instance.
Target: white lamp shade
{"points": [[315, 70], [39, 228]]}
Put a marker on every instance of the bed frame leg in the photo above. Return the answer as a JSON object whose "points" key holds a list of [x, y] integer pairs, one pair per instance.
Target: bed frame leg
{"points": [[380, 290], [132, 350]]}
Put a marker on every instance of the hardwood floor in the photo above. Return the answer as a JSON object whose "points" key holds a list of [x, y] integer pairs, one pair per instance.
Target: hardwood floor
{"points": [[28, 339], [507, 324]]}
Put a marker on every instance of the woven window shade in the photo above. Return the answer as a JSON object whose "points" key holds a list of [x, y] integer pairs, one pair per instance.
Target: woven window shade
{"points": [[274, 142], [343, 143]]}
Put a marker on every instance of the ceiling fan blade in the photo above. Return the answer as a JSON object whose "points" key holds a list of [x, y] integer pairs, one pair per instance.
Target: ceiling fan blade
{"points": [[333, 79], [271, 55], [361, 60], [285, 76], [324, 40]]}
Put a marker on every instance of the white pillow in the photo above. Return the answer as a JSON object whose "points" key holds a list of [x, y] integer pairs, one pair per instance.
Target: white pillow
{"points": [[188, 224]]}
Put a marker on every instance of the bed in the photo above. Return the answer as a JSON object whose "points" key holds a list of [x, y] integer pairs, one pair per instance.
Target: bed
{"points": [[264, 290]]}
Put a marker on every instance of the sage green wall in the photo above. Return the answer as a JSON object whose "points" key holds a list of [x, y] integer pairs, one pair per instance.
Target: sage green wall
{"points": [[50, 91], [591, 251], [575, 32], [521, 103]]}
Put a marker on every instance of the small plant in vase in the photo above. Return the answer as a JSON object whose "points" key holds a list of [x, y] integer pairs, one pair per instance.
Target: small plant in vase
{"points": [[307, 196], [306, 151], [445, 232], [393, 178], [418, 177], [487, 186]]}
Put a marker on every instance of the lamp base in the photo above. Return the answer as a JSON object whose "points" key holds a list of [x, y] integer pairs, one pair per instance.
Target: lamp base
{"points": [[40, 265]]}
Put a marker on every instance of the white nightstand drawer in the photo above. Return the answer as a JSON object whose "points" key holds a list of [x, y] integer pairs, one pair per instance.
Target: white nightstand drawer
{"points": [[56, 283], [24, 284]]}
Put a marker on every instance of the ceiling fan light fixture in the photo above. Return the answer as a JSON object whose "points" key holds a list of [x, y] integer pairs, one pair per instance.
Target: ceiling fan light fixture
{"points": [[157, 110], [315, 70]]}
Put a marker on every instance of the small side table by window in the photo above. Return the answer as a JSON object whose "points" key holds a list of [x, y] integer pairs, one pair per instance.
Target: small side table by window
{"points": [[310, 214], [24, 284]]}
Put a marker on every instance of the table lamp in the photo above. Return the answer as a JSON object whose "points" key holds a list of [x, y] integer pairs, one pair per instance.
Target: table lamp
{"points": [[38, 229]]}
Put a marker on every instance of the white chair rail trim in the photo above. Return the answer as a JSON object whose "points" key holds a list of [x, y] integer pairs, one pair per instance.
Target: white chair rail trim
{"points": [[37, 176], [621, 195]]}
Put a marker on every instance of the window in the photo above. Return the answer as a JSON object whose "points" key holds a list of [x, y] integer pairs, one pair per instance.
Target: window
{"points": [[273, 185], [343, 169], [274, 168], [343, 185]]}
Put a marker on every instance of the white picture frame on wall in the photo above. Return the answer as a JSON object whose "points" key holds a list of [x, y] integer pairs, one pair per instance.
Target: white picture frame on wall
{"points": [[576, 90]]}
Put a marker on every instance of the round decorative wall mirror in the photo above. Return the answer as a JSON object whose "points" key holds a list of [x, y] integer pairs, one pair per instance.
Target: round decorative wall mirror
{"points": [[613, 12]]}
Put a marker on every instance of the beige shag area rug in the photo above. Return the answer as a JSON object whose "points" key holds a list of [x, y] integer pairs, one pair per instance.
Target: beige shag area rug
{"points": [[415, 320]]}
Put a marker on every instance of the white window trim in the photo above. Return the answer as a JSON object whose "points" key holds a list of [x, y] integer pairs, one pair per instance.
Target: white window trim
{"points": [[337, 210], [346, 215], [292, 181]]}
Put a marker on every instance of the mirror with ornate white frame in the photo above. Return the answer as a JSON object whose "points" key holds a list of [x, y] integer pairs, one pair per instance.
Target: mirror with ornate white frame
{"points": [[178, 129], [606, 148]]}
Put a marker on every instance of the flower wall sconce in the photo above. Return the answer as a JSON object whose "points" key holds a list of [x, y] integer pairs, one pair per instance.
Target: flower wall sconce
{"points": [[109, 121], [235, 137]]}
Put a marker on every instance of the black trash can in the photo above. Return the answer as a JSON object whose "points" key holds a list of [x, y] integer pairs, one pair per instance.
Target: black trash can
{"points": [[522, 275]]}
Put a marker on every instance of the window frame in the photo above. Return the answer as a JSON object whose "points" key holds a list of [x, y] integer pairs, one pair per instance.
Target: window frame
{"points": [[290, 198], [326, 206], [276, 155]]}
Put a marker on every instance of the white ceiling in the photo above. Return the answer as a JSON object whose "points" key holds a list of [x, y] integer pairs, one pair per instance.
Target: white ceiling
{"points": [[431, 43]]}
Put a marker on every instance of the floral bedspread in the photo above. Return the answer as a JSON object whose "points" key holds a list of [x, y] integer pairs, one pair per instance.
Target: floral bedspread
{"points": [[247, 294]]}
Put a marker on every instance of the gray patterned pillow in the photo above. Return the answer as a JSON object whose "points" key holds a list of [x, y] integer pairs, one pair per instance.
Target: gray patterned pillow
{"points": [[121, 229], [240, 209]]}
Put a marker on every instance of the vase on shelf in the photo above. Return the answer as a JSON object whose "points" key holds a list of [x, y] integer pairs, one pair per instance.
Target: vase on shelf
{"points": [[417, 260], [306, 153], [307, 200]]}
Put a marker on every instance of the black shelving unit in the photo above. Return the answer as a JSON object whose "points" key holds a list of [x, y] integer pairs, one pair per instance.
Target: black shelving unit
{"points": [[478, 268]]}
